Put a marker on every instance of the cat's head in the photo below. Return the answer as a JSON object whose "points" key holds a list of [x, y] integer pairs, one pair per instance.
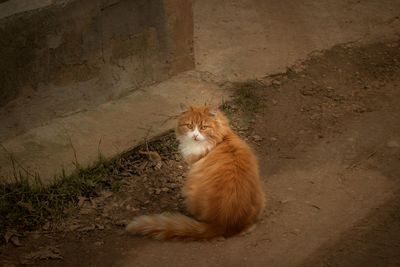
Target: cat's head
{"points": [[202, 124]]}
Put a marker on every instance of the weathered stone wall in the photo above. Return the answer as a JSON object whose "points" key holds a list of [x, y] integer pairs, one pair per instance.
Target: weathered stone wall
{"points": [[122, 44]]}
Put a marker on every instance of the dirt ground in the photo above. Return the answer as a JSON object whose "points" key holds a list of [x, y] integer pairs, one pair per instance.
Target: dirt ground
{"points": [[327, 134]]}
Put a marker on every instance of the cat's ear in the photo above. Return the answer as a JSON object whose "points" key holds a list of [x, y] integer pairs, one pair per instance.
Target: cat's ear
{"points": [[212, 112], [183, 107]]}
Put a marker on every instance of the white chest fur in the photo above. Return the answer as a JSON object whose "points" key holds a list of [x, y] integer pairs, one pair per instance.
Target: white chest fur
{"points": [[188, 147]]}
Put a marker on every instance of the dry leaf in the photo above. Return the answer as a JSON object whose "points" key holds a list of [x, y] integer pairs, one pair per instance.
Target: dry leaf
{"points": [[73, 227], [106, 194], [9, 234], [87, 228], [158, 165], [152, 155], [257, 138], [15, 241], [93, 203], [88, 207], [81, 201]]}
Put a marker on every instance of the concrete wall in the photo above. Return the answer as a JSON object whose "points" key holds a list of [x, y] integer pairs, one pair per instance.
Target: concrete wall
{"points": [[122, 44]]}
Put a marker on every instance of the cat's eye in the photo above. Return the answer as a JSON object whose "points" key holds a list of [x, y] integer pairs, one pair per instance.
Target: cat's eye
{"points": [[203, 127], [190, 126]]}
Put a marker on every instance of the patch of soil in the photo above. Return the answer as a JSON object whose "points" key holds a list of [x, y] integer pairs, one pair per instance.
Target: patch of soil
{"points": [[347, 90], [151, 176], [306, 107], [327, 134], [374, 241]]}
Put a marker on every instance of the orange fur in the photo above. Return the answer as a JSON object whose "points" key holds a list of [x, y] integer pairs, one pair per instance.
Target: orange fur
{"points": [[223, 191]]}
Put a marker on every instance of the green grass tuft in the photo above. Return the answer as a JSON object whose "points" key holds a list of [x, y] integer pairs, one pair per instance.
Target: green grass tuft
{"points": [[248, 96], [247, 99], [26, 205]]}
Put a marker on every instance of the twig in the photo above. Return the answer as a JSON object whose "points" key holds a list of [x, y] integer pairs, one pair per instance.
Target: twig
{"points": [[148, 131], [315, 206], [360, 161], [152, 155], [169, 117], [98, 147], [13, 161], [287, 157], [76, 163]]}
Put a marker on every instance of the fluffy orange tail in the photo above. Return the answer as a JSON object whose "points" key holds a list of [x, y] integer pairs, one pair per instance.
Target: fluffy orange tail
{"points": [[171, 226]]}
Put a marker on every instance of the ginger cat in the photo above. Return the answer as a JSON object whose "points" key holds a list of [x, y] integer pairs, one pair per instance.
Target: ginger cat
{"points": [[223, 190]]}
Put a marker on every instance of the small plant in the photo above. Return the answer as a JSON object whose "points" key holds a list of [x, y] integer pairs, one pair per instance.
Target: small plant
{"points": [[248, 96], [26, 203], [227, 109]]}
